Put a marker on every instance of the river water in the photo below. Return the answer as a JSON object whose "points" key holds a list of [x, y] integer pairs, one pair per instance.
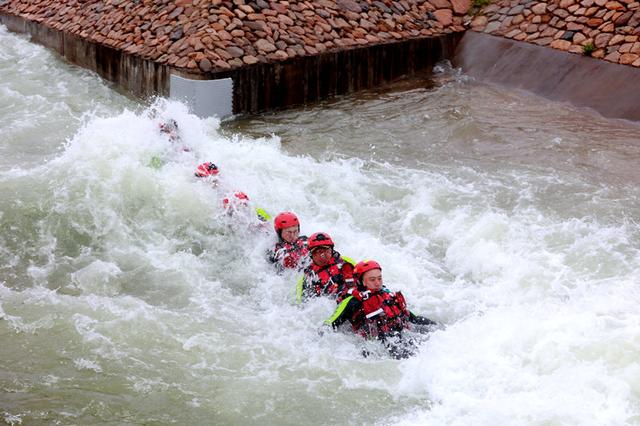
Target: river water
{"points": [[128, 296]]}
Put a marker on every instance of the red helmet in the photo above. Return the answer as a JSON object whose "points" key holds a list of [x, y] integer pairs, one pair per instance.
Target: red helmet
{"points": [[240, 199], [285, 220], [207, 169], [364, 266], [320, 239]]}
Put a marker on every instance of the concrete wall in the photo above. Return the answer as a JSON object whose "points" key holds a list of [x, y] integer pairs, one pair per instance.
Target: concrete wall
{"points": [[604, 29], [610, 89]]}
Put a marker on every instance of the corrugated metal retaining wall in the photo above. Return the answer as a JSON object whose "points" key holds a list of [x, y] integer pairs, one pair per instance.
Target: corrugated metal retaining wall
{"points": [[313, 78]]}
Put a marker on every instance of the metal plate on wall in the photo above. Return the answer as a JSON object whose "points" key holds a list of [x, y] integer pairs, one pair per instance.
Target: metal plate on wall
{"points": [[205, 98]]}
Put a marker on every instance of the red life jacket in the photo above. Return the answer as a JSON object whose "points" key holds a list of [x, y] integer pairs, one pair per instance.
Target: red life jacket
{"points": [[291, 255], [382, 312], [333, 278]]}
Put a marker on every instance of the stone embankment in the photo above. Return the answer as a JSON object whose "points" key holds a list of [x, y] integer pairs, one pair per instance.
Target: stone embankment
{"points": [[208, 36], [605, 29]]}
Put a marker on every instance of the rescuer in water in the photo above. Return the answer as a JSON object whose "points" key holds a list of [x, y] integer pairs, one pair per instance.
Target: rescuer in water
{"points": [[328, 274], [378, 313], [290, 251]]}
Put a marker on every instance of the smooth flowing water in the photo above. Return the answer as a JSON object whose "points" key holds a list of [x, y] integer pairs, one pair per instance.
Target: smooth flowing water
{"points": [[128, 296]]}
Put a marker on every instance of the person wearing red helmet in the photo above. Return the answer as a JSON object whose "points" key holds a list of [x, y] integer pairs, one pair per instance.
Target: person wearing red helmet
{"points": [[238, 205], [207, 170], [290, 252], [328, 273], [375, 312], [170, 129], [235, 201]]}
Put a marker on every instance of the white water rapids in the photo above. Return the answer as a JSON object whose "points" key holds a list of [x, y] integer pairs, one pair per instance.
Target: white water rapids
{"points": [[127, 296]]}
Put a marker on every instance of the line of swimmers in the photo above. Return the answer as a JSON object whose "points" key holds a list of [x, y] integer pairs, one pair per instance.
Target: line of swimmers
{"points": [[236, 202], [372, 310]]}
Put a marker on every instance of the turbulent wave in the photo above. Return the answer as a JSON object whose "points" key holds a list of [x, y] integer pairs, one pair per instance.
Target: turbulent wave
{"points": [[128, 295]]}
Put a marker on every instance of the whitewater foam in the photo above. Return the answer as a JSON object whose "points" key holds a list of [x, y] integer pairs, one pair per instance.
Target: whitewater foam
{"points": [[125, 278]]}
